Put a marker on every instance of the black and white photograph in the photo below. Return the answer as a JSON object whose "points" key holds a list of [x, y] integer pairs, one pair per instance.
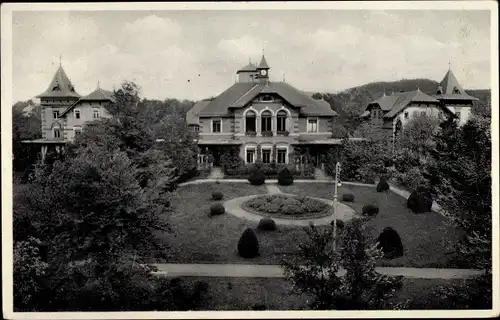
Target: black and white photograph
{"points": [[232, 159]]}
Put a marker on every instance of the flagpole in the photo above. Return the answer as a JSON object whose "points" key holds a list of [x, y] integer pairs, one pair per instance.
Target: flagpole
{"points": [[337, 169]]}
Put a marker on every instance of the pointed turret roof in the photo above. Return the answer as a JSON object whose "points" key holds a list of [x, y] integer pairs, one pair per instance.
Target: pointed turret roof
{"points": [[263, 63], [451, 88], [60, 86]]}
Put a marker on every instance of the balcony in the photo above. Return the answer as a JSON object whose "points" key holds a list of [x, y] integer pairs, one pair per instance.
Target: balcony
{"points": [[283, 133], [267, 133], [251, 134]]}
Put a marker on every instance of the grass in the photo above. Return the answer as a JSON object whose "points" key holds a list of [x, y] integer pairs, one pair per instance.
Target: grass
{"points": [[231, 294], [198, 237], [426, 237]]}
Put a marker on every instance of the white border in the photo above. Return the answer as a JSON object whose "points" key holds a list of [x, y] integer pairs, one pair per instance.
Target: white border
{"points": [[6, 112]]}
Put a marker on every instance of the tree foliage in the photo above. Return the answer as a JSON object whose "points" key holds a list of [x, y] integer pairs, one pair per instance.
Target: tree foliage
{"points": [[460, 178], [314, 270]]}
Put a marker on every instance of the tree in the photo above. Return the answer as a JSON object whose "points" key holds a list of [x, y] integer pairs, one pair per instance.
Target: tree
{"points": [[24, 128], [412, 150], [317, 96], [315, 271], [460, 179]]}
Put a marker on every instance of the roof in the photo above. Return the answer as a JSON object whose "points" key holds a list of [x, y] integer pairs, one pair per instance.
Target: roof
{"points": [[240, 94], [248, 68], [192, 114], [96, 95], [405, 98], [60, 86], [451, 89], [263, 63], [396, 102]]}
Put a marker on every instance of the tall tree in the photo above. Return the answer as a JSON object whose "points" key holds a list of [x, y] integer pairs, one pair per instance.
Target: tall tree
{"points": [[460, 177], [314, 271]]}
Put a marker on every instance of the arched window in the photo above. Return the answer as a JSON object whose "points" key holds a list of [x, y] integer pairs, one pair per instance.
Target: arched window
{"points": [[266, 121], [281, 121], [250, 126]]}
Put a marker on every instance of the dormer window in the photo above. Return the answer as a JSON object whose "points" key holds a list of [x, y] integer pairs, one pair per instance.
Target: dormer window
{"points": [[456, 91], [267, 98], [55, 114], [56, 87]]}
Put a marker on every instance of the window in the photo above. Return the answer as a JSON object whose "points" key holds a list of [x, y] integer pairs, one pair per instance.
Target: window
{"points": [[77, 114], [456, 91], [77, 131], [266, 121], [422, 113], [55, 114], [266, 155], [267, 98], [440, 115], [406, 115], [312, 125], [250, 122], [196, 128], [250, 155], [281, 155], [96, 113], [57, 133], [281, 121], [216, 125]]}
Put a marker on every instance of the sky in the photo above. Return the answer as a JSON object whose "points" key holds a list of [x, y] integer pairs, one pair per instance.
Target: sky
{"points": [[195, 54]]}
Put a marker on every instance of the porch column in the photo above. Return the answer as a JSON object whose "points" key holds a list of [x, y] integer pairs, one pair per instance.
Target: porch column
{"points": [[258, 125], [274, 125], [44, 152]]}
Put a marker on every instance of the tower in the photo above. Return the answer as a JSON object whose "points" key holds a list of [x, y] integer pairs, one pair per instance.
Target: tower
{"points": [[263, 70]]}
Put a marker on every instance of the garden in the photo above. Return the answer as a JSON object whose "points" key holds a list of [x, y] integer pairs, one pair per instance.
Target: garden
{"points": [[203, 237]]}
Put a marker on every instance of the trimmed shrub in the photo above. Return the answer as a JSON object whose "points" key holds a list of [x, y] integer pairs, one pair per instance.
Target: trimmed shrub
{"points": [[285, 177], [348, 197], [217, 195], [217, 209], [248, 245], [340, 223], [267, 224], [390, 243], [382, 186], [420, 200], [370, 210], [257, 177]]}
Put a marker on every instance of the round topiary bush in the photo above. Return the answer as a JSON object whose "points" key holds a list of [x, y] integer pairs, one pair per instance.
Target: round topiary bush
{"points": [[348, 197], [267, 224], [340, 223], [257, 177], [248, 245], [285, 177], [382, 186], [390, 243], [217, 209], [370, 210], [420, 200], [217, 195]]}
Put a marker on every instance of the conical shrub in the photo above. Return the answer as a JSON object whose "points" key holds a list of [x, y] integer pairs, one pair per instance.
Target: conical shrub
{"points": [[285, 177], [382, 185], [390, 243], [248, 245], [420, 200]]}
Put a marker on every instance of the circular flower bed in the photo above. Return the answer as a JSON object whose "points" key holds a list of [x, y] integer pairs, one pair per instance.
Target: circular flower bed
{"points": [[287, 206]]}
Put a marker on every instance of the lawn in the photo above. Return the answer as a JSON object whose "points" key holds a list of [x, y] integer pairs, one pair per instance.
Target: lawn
{"points": [[199, 238], [232, 294], [426, 237]]}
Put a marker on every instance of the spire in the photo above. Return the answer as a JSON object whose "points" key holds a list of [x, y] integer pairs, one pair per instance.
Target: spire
{"points": [[263, 63], [60, 86], [283, 77], [60, 60], [98, 87]]}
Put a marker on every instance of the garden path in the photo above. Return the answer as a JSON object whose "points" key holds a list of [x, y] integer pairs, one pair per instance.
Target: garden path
{"points": [[320, 174], [216, 173], [272, 189], [275, 271]]}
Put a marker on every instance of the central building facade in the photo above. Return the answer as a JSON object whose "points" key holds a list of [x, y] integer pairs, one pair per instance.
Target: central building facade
{"points": [[267, 120]]}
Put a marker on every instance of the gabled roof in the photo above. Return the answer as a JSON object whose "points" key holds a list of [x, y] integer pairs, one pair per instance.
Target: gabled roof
{"points": [[240, 94], [96, 95], [451, 89], [60, 86], [263, 63], [405, 98], [192, 115], [248, 68], [396, 102]]}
